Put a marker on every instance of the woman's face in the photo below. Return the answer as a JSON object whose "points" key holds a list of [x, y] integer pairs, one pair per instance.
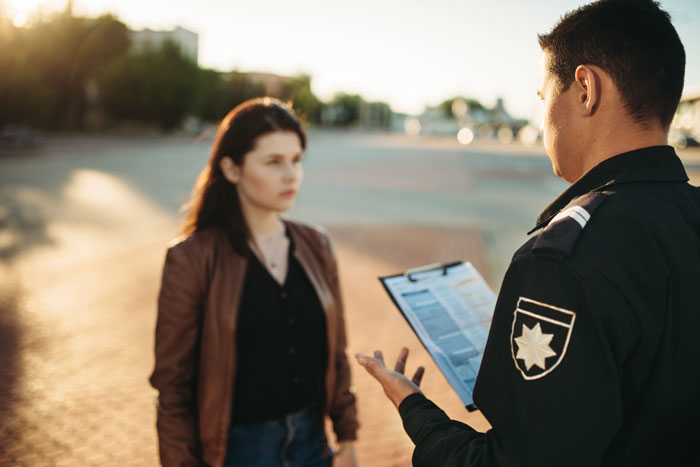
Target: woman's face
{"points": [[271, 173]]}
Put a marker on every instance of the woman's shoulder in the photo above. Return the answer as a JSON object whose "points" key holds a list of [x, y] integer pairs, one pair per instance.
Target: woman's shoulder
{"points": [[313, 233], [199, 242]]}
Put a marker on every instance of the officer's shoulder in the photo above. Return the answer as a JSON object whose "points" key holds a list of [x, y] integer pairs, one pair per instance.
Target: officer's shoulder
{"points": [[599, 224], [563, 232]]}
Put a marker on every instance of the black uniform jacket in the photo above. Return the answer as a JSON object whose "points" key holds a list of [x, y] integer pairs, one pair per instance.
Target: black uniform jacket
{"points": [[593, 356]]}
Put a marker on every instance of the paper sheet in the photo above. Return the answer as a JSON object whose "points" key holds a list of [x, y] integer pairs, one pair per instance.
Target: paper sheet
{"points": [[450, 313]]}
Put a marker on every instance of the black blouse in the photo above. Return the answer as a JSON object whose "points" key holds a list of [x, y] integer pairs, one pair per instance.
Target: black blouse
{"points": [[281, 341]]}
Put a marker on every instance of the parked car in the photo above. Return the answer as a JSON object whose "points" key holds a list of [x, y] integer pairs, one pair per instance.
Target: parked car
{"points": [[19, 137]]}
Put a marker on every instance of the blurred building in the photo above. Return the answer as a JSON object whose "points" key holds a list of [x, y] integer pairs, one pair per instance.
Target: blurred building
{"points": [[467, 117], [685, 128], [187, 40], [375, 115], [433, 121], [357, 113]]}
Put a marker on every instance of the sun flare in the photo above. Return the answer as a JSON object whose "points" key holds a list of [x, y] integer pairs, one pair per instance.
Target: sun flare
{"points": [[20, 11]]}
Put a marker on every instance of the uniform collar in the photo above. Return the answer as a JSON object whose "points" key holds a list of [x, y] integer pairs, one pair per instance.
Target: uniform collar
{"points": [[652, 164]]}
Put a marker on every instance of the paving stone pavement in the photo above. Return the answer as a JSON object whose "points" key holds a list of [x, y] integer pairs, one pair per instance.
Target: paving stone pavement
{"points": [[76, 347], [79, 274], [374, 323]]}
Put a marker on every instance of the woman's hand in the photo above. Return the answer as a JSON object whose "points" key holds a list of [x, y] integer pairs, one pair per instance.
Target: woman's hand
{"points": [[396, 386], [345, 456]]}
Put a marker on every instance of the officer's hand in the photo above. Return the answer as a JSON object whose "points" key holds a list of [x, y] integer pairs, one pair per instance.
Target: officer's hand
{"points": [[396, 386]]}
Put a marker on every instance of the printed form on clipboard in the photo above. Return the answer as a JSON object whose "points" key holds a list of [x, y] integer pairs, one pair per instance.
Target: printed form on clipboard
{"points": [[449, 307]]}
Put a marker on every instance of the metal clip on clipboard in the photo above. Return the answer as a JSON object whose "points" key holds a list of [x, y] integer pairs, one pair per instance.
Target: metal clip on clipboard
{"points": [[409, 273]]}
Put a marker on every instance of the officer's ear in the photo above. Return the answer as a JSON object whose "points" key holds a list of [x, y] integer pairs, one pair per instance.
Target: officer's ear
{"points": [[587, 82]]}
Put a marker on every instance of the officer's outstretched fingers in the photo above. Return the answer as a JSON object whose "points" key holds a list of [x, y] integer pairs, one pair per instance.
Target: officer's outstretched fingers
{"points": [[418, 376], [396, 386], [400, 366], [379, 356], [374, 366]]}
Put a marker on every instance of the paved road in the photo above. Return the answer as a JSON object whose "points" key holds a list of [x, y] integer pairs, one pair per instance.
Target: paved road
{"points": [[83, 227]]}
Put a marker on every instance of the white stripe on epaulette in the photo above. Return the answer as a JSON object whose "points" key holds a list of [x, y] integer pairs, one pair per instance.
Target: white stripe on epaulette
{"points": [[577, 213]]}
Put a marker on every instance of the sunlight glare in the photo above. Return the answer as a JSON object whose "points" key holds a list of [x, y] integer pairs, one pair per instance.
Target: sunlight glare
{"points": [[460, 108], [19, 20], [412, 126], [110, 198], [22, 10], [100, 190], [465, 136], [505, 135], [528, 135]]}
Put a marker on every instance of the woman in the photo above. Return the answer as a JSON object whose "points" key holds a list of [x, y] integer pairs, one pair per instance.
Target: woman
{"points": [[250, 337]]}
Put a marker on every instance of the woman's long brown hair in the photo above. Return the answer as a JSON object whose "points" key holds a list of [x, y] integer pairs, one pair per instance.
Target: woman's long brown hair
{"points": [[214, 201]]}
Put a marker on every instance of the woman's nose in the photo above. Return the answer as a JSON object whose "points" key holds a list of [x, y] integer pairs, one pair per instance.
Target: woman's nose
{"points": [[291, 171]]}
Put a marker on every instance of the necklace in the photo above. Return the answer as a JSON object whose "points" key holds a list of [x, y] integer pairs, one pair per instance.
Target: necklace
{"points": [[274, 246], [272, 259], [272, 262]]}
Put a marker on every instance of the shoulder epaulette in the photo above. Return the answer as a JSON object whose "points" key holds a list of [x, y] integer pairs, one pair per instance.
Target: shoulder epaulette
{"points": [[564, 229]]}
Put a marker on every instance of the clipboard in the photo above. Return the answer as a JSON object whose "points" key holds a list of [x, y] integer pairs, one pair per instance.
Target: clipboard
{"points": [[449, 307]]}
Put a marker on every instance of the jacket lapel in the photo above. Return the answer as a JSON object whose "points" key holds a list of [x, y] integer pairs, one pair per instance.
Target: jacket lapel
{"points": [[317, 273], [232, 271], [314, 269]]}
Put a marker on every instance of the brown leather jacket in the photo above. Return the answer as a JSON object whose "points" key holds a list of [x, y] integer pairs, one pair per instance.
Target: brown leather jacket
{"points": [[196, 349]]}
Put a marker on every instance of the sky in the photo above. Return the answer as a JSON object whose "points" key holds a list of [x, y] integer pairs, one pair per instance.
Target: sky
{"points": [[409, 53]]}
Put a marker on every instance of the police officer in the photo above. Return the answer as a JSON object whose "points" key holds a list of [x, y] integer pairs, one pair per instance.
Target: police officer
{"points": [[593, 356]]}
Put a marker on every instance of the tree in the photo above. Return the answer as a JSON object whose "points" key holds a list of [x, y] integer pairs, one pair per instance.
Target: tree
{"points": [[242, 87], [376, 115], [345, 108], [153, 84], [217, 93], [67, 52], [211, 100], [298, 90], [24, 97]]}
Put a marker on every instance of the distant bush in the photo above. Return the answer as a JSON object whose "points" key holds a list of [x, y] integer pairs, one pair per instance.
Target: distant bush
{"points": [[64, 71], [25, 99], [46, 67], [153, 84], [217, 93]]}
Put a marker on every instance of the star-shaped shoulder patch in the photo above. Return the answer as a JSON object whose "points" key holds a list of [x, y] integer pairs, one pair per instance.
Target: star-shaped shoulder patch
{"points": [[533, 346]]}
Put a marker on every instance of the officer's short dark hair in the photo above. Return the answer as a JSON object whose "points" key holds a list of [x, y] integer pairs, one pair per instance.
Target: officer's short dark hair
{"points": [[631, 40]]}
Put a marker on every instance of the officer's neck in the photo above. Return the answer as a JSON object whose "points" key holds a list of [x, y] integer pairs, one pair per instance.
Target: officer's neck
{"points": [[616, 137]]}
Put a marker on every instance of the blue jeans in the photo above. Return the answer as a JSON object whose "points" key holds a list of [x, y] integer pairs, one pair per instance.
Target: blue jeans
{"points": [[295, 440]]}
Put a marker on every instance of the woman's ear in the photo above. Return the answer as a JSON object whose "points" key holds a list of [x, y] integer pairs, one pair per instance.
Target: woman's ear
{"points": [[587, 84], [231, 171]]}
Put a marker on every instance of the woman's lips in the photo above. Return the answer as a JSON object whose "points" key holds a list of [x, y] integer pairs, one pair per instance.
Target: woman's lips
{"points": [[288, 193]]}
